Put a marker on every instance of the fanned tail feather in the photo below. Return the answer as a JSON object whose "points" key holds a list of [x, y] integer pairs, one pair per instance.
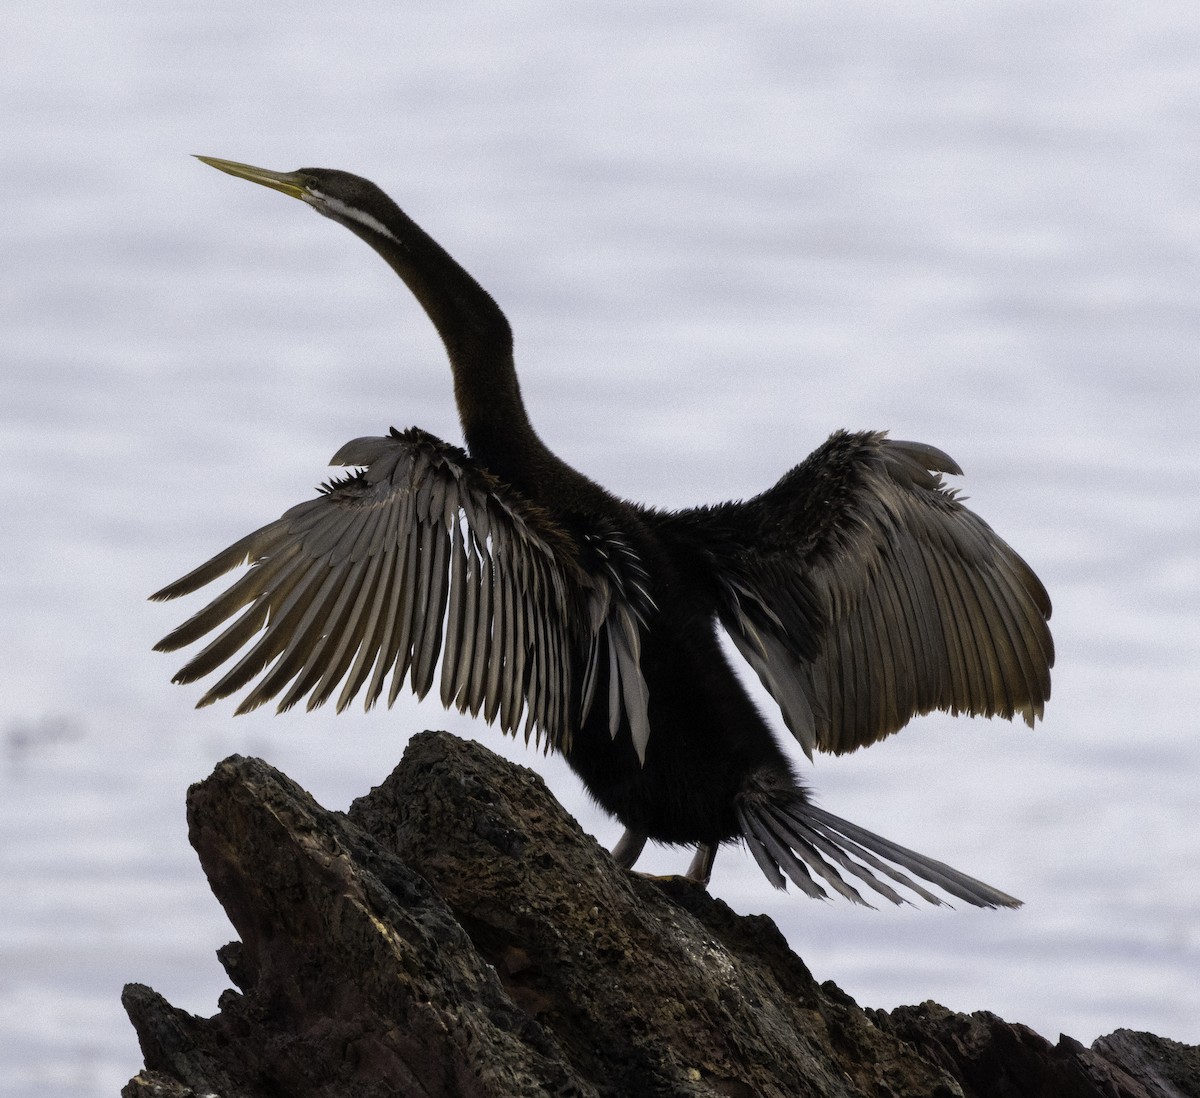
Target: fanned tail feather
{"points": [[794, 840]]}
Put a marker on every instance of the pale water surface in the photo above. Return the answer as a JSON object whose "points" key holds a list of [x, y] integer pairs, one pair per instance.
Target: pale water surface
{"points": [[720, 230]]}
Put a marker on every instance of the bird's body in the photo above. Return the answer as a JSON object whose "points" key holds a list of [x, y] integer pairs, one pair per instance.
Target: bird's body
{"points": [[858, 588]]}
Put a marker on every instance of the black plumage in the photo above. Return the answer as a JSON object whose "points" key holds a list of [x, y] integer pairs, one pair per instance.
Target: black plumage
{"points": [[860, 590]]}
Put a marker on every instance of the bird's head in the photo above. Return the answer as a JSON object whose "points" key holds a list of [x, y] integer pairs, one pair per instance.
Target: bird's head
{"points": [[348, 199]]}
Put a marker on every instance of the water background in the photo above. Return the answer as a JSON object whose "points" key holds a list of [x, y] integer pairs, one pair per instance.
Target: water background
{"points": [[720, 230]]}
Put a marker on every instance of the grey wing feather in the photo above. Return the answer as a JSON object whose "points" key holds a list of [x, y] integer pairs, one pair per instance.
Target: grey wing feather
{"points": [[862, 592], [618, 617], [418, 558]]}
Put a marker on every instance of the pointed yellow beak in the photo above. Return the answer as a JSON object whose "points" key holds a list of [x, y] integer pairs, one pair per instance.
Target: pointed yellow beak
{"points": [[291, 183]]}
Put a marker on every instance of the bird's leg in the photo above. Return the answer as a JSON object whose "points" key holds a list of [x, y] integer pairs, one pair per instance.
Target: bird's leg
{"points": [[701, 867], [629, 848]]}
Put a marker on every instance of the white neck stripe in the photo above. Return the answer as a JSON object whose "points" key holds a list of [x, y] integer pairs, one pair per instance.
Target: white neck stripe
{"points": [[352, 213]]}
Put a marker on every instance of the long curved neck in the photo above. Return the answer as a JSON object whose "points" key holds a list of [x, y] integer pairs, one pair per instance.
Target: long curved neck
{"points": [[477, 338]]}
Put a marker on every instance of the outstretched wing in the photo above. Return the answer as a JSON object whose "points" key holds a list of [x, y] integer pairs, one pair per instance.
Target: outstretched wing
{"points": [[421, 556], [863, 593]]}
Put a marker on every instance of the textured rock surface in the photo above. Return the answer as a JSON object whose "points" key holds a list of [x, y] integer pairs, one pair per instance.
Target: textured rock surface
{"points": [[457, 934]]}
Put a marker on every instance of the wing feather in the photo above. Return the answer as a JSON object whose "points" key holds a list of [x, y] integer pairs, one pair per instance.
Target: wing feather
{"points": [[327, 635], [456, 612], [355, 635], [863, 592], [421, 566]]}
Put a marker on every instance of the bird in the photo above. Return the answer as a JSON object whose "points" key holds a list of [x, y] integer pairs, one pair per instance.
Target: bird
{"points": [[859, 588]]}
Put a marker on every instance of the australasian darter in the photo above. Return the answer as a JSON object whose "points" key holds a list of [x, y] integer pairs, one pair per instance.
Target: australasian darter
{"points": [[860, 590]]}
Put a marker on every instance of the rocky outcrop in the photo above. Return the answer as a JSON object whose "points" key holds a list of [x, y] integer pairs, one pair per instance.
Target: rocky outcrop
{"points": [[456, 933]]}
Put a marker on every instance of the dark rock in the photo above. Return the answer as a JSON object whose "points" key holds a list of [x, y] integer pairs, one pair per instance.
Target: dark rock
{"points": [[456, 933], [993, 1058], [1164, 1067]]}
